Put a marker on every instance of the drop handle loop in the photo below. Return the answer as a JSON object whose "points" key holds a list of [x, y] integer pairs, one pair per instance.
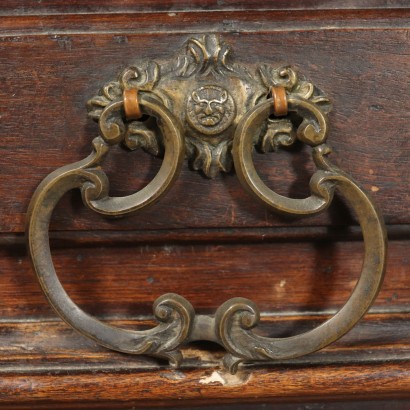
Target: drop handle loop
{"points": [[215, 113]]}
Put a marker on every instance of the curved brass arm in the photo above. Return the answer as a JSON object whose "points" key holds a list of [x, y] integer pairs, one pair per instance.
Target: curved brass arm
{"points": [[313, 129], [166, 176], [174, 312], [215, 112]]}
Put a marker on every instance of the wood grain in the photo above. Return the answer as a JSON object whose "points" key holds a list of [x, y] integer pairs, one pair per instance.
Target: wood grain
{"points": [[383, 404], [73, 239], [25, 349], [43, 361], [207, 240], [19, 7], [304, 383], [363, 71], [123, 281], [230, 21]]}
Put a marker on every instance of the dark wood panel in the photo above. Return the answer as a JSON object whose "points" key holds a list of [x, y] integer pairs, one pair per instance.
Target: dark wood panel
{"points": [[348, 404], [364, 72], [230, 21], [18, 7], [124, 281], [207, 240], [43, 361], [340, 405]]}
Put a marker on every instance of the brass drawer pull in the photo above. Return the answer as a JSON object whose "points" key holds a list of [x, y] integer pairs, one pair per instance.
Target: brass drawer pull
{"points": [[205, 107]]}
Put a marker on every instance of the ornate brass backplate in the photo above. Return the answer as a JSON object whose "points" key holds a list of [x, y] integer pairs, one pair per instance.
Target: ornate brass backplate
{"points": [[204, 106], [209, 94]]}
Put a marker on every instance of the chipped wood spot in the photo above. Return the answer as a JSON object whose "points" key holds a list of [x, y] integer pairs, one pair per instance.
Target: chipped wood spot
{"points": [[224, 378]]}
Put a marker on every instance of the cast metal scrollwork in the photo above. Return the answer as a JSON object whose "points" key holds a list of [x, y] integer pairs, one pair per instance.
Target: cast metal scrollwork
{"points": [[174, 313], [204, 106]]}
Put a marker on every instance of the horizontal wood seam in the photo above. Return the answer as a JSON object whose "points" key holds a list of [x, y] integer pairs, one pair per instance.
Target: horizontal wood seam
{"points": [[203, 235], [190, 30], [43, 11]]}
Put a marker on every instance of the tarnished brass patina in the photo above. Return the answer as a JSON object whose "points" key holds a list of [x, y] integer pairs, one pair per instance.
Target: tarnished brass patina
{"points": [[205, 107]]}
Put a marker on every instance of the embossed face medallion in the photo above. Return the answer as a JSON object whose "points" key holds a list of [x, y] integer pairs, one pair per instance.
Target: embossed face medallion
{"points": [[210, 109]]}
